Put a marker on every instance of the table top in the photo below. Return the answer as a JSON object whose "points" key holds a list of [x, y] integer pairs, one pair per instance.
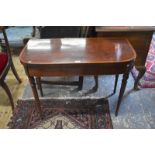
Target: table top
{"points": [[123, 28], [77, 51]]}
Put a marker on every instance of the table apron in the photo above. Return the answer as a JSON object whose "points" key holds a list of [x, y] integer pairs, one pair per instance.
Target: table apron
{"points": [[72, 70]]}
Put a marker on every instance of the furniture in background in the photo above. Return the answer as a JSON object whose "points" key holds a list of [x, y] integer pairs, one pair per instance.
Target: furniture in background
{"points": [[59, 31], [92, 56], [6, 63], [139, 37]]}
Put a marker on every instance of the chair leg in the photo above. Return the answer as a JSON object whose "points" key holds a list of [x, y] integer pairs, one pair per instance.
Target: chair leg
{"points": [[15, 72], [38, 81], [80, 82], [142, 70], [7, 90], [116, 81]]}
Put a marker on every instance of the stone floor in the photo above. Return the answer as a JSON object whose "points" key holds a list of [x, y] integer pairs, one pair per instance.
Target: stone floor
{"points": [[137, 110]]}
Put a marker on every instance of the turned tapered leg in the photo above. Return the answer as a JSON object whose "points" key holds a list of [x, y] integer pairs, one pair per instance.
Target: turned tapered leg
{"points": [[80, 82], [142, 71], [7, 90], [116, 81], [15, 72], [35, 93], [122, 90], [38, 80], [37, 83]]}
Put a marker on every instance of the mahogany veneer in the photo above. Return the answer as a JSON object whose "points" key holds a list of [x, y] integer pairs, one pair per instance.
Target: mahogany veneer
{"points": [[80, 56], [140, 38]]}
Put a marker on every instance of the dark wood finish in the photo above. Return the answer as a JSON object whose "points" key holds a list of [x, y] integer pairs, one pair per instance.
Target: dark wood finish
{"points": [[81, 56], [62, 32], [124, 28], [80, 82], [96, 83], [140, 38], [6, 48], [38, 81], [123, 86], [115, 86], [35, 93], [77, 52]]}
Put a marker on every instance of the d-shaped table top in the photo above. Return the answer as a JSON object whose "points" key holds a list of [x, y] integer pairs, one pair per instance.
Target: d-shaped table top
{"points": [[77, 51], [77, 56]]}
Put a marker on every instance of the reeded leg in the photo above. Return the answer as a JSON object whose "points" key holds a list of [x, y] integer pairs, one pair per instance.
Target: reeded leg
{"points": [[38, 80], [122, 90], [80, 82], [116, 81], [142, 71], [35, 93], [7, 90], [15, 72]]}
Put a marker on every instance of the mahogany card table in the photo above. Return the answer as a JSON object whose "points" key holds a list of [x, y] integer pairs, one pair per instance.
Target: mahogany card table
{"points": [[77, 56]]}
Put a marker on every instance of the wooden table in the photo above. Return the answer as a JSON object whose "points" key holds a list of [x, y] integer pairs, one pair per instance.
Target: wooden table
{"points": [[70, 57], [140, 38]]}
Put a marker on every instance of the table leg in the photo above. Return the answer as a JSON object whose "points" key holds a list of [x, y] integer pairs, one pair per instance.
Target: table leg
{"points": [[80, 83], [116, 81], [96, 83], [122, 90], [35, 93], [38, 81]]}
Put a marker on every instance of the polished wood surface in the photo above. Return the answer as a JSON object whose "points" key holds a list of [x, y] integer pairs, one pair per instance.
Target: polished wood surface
{"points": [[82, 56], [77, 51], [139, 36], [124, 28], [47, 32]]}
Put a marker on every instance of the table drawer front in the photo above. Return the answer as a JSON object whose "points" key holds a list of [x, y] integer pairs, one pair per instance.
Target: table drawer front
{"points": [[76, 70]]}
